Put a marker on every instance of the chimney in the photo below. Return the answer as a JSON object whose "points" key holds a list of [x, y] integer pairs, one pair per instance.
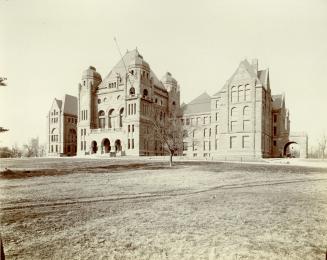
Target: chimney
{"points": [[255, 65]]}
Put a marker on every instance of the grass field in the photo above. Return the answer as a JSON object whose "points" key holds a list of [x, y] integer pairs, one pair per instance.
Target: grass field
{"points": [[69, 208]]}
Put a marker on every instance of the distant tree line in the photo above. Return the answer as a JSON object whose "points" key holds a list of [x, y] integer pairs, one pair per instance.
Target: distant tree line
{"points": [[319, 151], [31, 149]]}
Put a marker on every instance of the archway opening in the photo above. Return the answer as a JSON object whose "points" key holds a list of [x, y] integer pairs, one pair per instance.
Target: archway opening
{"points": [[292, 149], [117, 145], [106, 145], [94, 147]]}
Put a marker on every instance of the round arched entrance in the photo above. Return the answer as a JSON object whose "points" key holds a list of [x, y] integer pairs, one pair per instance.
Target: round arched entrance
{"points": [[292, 149], [106, 145], [94, 147], [117, 145]]}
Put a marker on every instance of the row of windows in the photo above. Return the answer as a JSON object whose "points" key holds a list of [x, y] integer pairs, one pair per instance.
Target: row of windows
{"points": [[144, 74], [131, 128], [54, 138], [206, 132], [54, 120], [245, 127], [72, 120], [130, 143], [83, 132], [245, 112], [54, 113], [240, 93], [196, 121], [102, 118], [131, 109], [245, 142], [52, 148], [206, 145], [112, 85], [84, 114]]}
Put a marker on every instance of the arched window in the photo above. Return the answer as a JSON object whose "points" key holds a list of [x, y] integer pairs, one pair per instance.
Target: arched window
{"points": [[132, 91], [240, 93], [246, 111], [145, 93], [233, 111], [233, 94], [121, 117], [102, 120], [110, 121], [247, 92]]}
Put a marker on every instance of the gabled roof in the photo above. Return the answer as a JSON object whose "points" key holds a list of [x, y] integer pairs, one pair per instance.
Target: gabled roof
{"points": [[201, 104], [70, 105], [277, 101], [130, 58], [58, 102], [263, 76]]}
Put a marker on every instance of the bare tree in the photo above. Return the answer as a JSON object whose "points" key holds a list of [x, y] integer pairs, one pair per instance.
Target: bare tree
{"points": [[32, 148], [322, 144], [167, 131]]}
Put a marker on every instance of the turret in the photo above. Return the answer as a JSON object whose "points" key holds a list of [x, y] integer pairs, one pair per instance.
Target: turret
{"points": [[172, 87]]}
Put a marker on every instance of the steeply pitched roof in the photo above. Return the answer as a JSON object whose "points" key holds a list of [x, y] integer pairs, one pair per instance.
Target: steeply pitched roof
{"points": [[263, 76], [277, 101], [201, 104], [59, 103], [130, 57], [70, 105]]}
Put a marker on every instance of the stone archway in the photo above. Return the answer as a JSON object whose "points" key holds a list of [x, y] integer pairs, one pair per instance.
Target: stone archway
{"points": [[291, 149], [106, 145], [94, 147], [118, 147]]}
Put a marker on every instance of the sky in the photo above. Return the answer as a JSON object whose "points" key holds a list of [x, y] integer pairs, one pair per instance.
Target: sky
{"points": [[45, 46]]}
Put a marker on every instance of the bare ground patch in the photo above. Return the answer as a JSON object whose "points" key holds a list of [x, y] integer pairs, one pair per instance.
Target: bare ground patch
{"points": [[193, 211]]}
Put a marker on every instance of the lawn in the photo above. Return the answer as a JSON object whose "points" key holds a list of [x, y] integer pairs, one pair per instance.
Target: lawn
{"points": [[69, 208]]}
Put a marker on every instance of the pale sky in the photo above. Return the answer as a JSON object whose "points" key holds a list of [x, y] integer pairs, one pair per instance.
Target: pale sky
{"points": [[45, 46]]}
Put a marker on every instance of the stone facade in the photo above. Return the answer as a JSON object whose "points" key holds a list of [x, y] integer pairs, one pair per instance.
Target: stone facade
{"points": [[114, 112], [62, 127], [241, 121], [115, 115]]}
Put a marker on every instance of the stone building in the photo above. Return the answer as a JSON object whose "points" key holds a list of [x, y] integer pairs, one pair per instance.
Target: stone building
{"points": [[115, 112], [241, 121], [62, 126]]}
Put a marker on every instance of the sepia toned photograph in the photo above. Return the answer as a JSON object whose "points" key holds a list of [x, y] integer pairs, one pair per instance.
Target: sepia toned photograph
{"points": [[141, 129]]}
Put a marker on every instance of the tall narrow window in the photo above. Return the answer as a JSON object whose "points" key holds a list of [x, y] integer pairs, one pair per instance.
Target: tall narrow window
{"points": [[233, 94], [121, 117], [102, 119], [246, 111], [247, 92], [110, 118], [240, 93]]}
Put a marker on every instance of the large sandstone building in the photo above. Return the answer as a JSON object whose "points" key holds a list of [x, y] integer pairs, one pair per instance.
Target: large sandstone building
{"points": [[243, 120], [62, 126], [115, 112]]}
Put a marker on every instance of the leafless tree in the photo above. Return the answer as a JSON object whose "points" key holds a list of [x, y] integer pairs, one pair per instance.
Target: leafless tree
{"points": [[32, 148], [167, 130], [322, 144]]}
